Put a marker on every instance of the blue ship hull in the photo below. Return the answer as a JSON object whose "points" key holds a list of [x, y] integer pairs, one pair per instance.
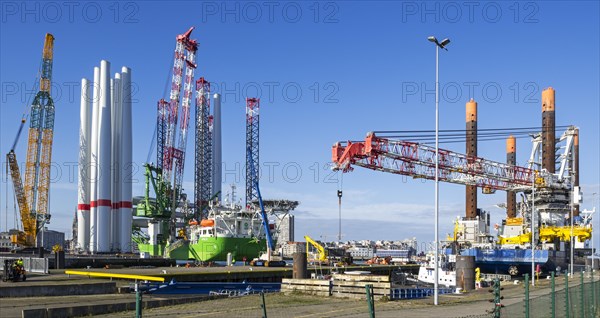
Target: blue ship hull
{"points": [[508, 261]]}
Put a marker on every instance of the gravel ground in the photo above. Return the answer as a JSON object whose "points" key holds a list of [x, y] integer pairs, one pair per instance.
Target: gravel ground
{"points": [[472, 304], [297, 305]]}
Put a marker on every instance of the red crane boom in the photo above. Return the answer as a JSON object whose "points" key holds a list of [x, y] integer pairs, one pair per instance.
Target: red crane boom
{"points": [[418, 161]]}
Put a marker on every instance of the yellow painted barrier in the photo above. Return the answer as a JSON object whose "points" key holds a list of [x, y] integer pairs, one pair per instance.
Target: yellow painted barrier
{"points": [[115, 275]]}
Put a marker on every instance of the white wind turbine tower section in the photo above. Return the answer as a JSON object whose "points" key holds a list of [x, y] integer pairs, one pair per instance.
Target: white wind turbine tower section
{"points": [[83, 181], [105, 165], [217, 151], [104, 162], [115, 217], [94, 162], [126, 161]]}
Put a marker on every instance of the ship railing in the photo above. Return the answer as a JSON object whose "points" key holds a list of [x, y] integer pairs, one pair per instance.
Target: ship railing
{"points": [[490, 277], [237, 292], [415, 293]]}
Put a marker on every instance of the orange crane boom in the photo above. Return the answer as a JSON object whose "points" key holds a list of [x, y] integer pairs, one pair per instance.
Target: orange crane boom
{"points": [[29, 225], [33, 196]]}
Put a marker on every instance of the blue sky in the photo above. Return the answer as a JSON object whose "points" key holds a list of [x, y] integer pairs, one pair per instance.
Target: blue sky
{"points": [[325, 72]]}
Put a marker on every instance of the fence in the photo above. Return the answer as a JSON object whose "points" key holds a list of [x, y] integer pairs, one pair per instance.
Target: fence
{"points": [[31, 264], [571, 297]]}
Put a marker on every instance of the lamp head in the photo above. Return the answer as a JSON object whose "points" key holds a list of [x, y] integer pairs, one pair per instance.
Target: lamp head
{"points": [[432, 39], [444, 42]]}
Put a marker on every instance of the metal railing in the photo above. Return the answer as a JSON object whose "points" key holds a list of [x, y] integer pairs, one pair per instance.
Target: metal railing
{"points": [[414, 293], [490, 277], [32, 264], [569, 297]]}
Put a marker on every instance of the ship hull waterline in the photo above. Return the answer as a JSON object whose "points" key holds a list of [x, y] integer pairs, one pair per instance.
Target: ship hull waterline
{"points": [[209, 249]]}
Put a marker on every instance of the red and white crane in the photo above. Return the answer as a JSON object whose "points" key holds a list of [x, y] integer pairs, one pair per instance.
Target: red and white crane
{"points": [[174, 157], [418, 161]]}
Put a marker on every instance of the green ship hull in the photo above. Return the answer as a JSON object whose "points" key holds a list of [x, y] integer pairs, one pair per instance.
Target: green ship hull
{"points": [[209, 249]]}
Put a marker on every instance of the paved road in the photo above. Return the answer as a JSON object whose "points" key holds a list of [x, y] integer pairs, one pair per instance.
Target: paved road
{"points": [[13, 307]]}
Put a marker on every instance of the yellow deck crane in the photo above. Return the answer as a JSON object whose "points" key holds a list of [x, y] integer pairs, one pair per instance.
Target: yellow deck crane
{"points": [[33, 196], [322, 251]]}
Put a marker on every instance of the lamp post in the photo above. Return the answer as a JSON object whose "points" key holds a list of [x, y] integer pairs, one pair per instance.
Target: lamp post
{"points": [[571, 243], [438, 45], [339, 194], [533, 231], [593, 238]]}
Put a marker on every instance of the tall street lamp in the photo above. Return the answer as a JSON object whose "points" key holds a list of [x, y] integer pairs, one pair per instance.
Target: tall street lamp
{"points": [[438, 46], [593, 238], [532, 219]]}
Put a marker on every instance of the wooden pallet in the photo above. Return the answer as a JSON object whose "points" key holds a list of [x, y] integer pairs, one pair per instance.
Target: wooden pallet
{"points": [[353, 286], [316, 287], [346, 286]]}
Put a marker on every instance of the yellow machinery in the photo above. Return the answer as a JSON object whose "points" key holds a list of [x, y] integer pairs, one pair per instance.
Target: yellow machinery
{"points": [[515, 240], [453, 238], [319, 247], [57, 248], [33, 196], [549, 233], [514, 221], [521, 239]]}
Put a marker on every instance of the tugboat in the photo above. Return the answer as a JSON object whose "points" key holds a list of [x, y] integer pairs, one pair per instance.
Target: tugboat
{"points": [[446, 270]]}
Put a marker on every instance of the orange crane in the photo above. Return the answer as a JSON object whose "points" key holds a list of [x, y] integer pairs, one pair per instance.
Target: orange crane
{"points": [[33, 196]]}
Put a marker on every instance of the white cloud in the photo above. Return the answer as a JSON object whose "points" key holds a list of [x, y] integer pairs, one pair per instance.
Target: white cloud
{"points": [[365, 205]]}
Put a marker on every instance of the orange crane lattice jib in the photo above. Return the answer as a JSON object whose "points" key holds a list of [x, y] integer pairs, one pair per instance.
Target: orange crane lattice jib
{"points": [[47, 55], [27, 220], [32, 197]]}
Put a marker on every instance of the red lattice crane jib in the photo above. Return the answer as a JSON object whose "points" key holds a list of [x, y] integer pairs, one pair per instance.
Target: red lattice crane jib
{"points": [[418, 161]]}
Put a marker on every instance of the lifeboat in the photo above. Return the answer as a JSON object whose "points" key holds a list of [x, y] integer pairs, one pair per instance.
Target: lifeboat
{"points": [[207, 222]]}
